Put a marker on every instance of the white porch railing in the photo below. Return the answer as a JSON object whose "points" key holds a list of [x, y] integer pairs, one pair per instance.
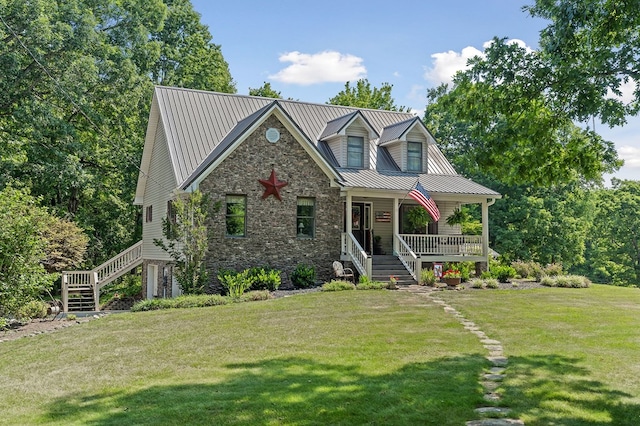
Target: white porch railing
{"points": [[83, 281], [359, 257], [459, 245], [408, 257]]}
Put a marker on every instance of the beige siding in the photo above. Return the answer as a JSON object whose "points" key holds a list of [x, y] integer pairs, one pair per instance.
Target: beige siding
{"points": [[446, 208], [396, 153], [157, 193], [356, 129]]}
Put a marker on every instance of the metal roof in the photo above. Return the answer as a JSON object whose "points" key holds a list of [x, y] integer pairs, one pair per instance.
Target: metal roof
{"points": [[395, 131], [402, 181], [201, 125]]}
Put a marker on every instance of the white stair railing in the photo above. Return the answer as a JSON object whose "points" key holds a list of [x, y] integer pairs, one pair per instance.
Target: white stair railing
{"points": [[408, 257], [359, 257], [76, 281]]}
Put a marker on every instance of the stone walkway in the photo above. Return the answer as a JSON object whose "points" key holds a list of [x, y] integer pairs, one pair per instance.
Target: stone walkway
{"points": [[490, 380]]}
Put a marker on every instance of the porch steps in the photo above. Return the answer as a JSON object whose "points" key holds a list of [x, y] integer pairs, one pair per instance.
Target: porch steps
{"points": [[81, 299], [383, 266]]}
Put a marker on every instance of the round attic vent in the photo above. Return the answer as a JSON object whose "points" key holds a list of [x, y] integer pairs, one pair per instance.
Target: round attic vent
{"points": [[273, 135]]}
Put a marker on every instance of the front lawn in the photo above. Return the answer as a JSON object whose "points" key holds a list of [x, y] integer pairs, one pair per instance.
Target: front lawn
{"points": [[574, 354], [352, 357]]}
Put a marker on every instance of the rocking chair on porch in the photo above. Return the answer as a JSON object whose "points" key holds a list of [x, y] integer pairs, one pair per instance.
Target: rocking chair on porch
{"points": [[342, 273]]}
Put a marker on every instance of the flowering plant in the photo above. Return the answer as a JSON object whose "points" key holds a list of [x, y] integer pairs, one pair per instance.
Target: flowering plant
{"points": [[451, 273], [392, 279]]}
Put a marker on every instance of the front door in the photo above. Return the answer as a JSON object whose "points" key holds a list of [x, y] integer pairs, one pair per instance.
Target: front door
{"points": [[361, 224]]}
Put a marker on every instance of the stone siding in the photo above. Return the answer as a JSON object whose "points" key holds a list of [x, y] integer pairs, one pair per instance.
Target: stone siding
{"points": [[271, 235]]}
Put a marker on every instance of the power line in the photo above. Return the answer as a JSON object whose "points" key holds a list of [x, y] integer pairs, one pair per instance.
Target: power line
{"points": [[78, 107]]}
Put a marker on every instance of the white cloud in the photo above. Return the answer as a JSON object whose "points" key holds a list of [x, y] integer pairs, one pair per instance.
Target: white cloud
{"points": [[626, 90], [327, 66], [630, 155], [446, 64]]}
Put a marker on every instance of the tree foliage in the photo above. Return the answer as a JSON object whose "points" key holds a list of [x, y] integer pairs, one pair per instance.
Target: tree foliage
{"points": [[265, 91], [22, 248], [75, 89], [364, 96], [185, 240]]}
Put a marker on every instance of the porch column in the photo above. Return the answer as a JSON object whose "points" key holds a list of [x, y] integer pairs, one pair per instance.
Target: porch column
{"points": [[348, 213], [485, 231], [396, 224]]}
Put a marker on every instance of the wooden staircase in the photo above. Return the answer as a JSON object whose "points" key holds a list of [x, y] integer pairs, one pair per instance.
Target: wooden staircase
{"points": [[383, 266], [81, 289]]}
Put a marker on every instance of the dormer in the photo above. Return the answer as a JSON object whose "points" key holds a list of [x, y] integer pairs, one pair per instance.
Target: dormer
{"points": [[349, 138], [407, 142]]}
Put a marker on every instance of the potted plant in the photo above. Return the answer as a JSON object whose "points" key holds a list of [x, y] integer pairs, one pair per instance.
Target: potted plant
{"points": [[452, 277], [419, 218]]}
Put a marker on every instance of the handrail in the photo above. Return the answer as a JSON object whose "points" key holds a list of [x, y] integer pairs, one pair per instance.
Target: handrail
{"points": [[461, 245], [359, 257], [409, 258]]}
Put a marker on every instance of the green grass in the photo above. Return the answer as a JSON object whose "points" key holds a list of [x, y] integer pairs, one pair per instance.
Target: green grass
{"points": [[351, 357], [574, 354]]}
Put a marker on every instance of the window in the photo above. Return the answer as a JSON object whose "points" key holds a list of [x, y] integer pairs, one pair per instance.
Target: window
{"points": [[236, 215], [306, 217], [355, 151], [171, 212], [414, 157], [149, 214]]}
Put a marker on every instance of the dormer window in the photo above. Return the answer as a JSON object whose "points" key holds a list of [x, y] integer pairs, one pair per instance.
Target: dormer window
{"points": [[355, 151], [414, 157]]}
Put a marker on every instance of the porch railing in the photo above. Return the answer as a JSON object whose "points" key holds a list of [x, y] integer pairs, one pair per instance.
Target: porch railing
{"points": [[461, 245], [408, 257], [359, 257]]}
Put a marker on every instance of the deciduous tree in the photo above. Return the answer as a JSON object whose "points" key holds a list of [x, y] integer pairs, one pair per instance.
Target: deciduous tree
{"points": [[365, 96]]}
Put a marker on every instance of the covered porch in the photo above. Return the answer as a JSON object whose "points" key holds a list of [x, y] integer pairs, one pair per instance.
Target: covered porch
{"points": [[376, 224]]}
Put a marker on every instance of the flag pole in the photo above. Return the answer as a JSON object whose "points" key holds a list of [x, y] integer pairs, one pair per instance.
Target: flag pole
{"points": [[407, 193]]}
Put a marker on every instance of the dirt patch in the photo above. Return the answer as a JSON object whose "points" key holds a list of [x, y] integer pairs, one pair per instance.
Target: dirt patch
{"points": [[40, 326]]}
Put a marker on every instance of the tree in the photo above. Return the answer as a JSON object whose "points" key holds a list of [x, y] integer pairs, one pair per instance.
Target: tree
{"points": [[66, 245], [185, 232], [363, 96], [265, 91], [75, 89], [22, 248], [613, 247]]}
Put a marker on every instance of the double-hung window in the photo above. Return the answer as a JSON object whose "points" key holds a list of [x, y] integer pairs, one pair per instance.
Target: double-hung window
{"points": [[236, 218], [355, 151], [414, 157], [306, 217]]}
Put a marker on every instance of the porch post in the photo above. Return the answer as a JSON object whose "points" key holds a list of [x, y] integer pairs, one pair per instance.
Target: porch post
{"points": [[396, 224], [348, 213], [485, 231]]}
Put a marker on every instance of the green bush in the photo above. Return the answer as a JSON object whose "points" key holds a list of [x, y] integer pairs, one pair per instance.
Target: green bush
{"points": [[492, 283], [235, 283], [33, 309], [190, 301], [335, 285], [553, 269], [526, 269], [256, 295], [566, 281], [264, 278], [427, 277], [303, 276], [503, 273], [130, 286], [371, 285], [484, 283], [477, 283]]}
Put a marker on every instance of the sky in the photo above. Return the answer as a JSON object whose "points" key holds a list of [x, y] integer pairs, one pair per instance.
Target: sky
{"points": [[308, 50]]}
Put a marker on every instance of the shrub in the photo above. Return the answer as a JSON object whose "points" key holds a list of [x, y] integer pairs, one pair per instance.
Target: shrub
{"points": [[503, 273], [427, 277], [264, 278], [235, 283], [130, 286], [335, 285], [303, 276], [465, 271], [477, 283], [492, 283], [548, 281], [566, 281], [71, 317], [188, 301], [486, 275], [553, 269], [525, 269], [254, 296], [371, 285], [33, 309]]}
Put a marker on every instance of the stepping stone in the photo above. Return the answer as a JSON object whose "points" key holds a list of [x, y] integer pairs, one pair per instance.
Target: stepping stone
{"points": [[469, 324], [490, 386], [498, 361], [490, 342], [494, 377], [497, 370], [495, 422], [492, 410], [472, 328], [479, 333], [492, 397], [493, 348]]}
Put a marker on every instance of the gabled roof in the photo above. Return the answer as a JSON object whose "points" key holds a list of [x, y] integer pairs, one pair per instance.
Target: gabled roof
{"points": [[334, 127], [398, 131]]}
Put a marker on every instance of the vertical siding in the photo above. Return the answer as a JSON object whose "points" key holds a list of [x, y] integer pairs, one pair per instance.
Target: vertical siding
{"points": [[157, 192]]}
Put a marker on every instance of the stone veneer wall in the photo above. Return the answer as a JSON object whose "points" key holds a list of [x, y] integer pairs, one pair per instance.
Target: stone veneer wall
{"points": [[271, 224]]}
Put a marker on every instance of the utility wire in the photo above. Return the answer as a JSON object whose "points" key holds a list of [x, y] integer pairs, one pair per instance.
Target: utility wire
{"points": [[100, 131]]}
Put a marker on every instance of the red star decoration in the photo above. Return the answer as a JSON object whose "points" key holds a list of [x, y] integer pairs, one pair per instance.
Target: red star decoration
{"points": [[272, 186]]}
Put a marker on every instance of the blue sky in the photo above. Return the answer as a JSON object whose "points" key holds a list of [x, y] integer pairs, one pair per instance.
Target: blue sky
{"points": [[308, 50]]}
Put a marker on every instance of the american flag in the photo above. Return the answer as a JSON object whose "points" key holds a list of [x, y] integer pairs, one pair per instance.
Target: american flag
{"points": [[421, 195]]}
